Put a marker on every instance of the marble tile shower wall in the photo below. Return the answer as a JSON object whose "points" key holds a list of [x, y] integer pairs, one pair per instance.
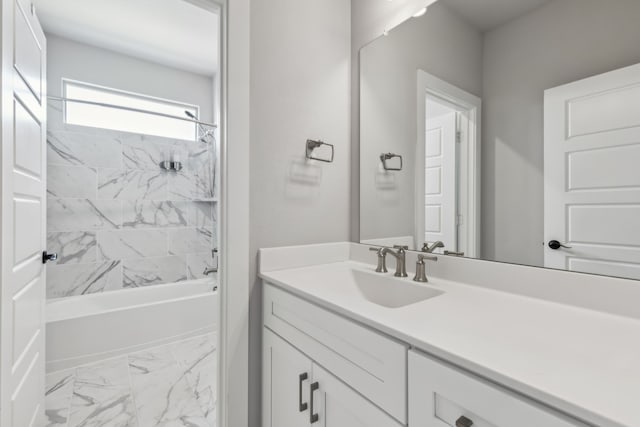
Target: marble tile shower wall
{"points": [[117, 220]]}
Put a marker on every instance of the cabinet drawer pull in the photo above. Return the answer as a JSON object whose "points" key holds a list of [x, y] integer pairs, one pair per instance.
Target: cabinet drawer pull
{"points": [[461, 422], [301, 406], [313, 418]]}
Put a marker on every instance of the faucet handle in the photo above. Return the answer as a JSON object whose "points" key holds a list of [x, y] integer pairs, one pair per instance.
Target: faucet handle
{"points": [[421, 274], [402, 247], [382, 259]]}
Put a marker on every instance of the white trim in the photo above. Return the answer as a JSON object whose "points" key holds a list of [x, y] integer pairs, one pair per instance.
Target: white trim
{"points": [[154, 113], [431, 85], [65, 81], [233, 357]]}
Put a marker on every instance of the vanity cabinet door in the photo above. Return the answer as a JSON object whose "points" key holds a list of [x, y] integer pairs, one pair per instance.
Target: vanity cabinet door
{"points": [[334, 404], [286, 379]]}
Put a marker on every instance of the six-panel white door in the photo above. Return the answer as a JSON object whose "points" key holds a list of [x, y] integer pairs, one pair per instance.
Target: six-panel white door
{"points": [[23, 217], [592, 174], [440, 181]]}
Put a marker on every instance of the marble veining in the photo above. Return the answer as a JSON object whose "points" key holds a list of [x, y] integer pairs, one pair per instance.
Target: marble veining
{"points": [[102, 396], [83, 214], [171, 385], [80, 149], [73, 247], [58, 391], [116, 219], [132, 184], [71, 181], [67, 280], [190, 240], [131, 244], [153, 271], [153, 214]]}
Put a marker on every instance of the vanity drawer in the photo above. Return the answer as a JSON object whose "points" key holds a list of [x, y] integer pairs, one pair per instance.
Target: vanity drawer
{"points": [[441, 395], [370, 363]]}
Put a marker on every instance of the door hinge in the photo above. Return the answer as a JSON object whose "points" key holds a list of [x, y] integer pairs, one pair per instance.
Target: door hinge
{"points": [[459, 220], [458, 137]]}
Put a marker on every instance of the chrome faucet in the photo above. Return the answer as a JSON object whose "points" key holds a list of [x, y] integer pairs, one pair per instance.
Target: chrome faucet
{"points": [[400, 256], [382, 260], [421, 273], [209, 270], [429, 249]]}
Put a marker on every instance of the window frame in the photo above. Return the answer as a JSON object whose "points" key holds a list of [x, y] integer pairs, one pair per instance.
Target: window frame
{"points": [[113, 91]]}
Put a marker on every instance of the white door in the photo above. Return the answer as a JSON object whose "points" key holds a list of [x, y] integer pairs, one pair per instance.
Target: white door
{"points": [[592, 174], [23, 210], [440, 181], [337, 405], [286, 382]]}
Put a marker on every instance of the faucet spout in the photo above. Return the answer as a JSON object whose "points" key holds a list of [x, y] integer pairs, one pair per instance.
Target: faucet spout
{"points": [[401, 259], [430, 248], [209, 270]]}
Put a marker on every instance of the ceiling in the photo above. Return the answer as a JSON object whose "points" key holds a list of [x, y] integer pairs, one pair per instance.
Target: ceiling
{"points": [[486, 15], [179, 33]]}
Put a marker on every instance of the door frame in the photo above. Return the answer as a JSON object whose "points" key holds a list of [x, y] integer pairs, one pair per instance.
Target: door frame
{"points": [[233, 338], [469, 159]]}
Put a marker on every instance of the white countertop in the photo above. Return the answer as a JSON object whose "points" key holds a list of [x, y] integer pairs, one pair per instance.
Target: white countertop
{"points": [[582, 362]]}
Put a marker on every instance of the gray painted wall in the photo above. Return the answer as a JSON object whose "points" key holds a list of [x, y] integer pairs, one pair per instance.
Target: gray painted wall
{"points": [[439, 43], [79, 61], [563, 41], [300, 71], [369, 20]]}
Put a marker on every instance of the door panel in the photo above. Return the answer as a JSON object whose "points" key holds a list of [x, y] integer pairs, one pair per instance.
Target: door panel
{"points": [[611, 109], [592, 184], [282, 367], [27, 147], [27, 318], [27, 241], [29, 55], [440, 181], [23, 217], [337, 405], [604, 168]]}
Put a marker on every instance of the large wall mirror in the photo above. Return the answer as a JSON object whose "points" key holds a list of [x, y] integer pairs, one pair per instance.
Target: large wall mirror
{"points": [[508, 131]]}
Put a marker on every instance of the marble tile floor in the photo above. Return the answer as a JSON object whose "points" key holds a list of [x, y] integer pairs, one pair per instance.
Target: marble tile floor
{"points": [[171, 385]]}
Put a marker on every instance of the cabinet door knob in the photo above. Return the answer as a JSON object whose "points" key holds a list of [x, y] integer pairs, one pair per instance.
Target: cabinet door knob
{"points": [[463, 422], [301, 406], [313, 418]]}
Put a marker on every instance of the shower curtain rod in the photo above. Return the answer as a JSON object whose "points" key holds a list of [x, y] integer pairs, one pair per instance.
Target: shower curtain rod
{"points": [[135, 110]]}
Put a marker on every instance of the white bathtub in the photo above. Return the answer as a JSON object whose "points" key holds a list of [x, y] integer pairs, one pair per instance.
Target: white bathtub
{"points": [[87, 328]]}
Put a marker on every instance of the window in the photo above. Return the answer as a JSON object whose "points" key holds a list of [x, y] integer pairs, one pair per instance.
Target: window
{"points": [[125, 120]]}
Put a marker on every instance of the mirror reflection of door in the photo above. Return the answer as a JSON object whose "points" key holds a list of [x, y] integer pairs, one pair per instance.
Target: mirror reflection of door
{"points": [[440, 207], [447, 168], [592, 153]]}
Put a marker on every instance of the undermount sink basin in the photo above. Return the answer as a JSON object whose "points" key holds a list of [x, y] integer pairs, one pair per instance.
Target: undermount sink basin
{"points": [[390, 292]]}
